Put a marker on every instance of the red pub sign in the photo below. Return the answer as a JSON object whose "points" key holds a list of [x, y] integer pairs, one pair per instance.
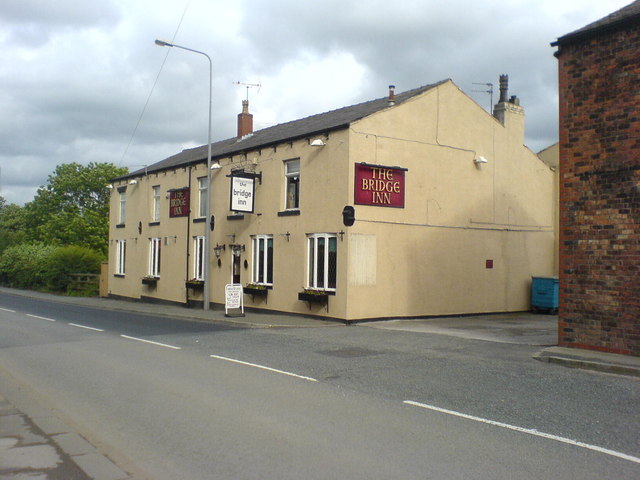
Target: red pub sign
{"points": [[379, 185], [179, 203]]}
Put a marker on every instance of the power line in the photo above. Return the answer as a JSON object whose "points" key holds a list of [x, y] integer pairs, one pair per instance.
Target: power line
{"points": [[155, 82]]}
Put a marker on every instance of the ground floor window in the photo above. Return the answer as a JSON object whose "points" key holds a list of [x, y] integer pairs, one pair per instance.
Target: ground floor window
{"points": [[322, 254], [262, 259], [154, 256], [198, 258], [121, 255]]}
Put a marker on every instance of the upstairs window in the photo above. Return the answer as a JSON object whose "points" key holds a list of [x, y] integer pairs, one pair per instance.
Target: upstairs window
{"points": [[202, 197], [122, 211], [155, 208], [292, 184], [323, 256], [262, 259], [154, 256]]}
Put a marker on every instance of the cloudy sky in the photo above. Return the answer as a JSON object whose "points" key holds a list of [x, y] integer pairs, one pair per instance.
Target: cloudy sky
{"points": [[82, 80]]}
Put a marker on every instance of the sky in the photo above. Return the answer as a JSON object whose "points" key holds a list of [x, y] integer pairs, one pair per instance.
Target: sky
{"points": [[83, 81]]}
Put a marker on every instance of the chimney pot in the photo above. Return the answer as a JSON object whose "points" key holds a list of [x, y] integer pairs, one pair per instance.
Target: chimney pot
{"points": [[504, 88], [392, 94]]}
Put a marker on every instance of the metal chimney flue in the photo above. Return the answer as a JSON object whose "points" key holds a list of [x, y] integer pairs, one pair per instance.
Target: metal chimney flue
{"points": [[392, 94], [504, 88]]}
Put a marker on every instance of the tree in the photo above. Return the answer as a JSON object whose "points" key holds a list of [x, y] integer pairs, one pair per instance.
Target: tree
{"points": [[73, 208], [12, 225]]}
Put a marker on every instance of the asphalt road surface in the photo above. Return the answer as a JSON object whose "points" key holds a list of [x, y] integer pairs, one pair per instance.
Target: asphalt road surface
{"points": [[169, 399]]}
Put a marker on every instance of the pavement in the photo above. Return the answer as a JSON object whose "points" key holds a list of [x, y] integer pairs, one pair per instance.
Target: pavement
{"points": [[35, 444]]}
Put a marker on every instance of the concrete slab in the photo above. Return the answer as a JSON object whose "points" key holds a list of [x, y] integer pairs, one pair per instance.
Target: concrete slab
{"points": [[73, 444], [522, 328], [100, 467]]}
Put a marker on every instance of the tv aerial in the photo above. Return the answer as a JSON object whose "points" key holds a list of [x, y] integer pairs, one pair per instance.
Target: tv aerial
{"points": [[248, 86], [489, 90]]}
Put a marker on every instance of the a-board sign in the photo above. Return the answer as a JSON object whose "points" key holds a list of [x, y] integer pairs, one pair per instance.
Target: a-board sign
{"points": [[233, 300]]}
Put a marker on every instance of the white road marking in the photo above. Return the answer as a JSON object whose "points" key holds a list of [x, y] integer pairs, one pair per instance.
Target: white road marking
{"points": [[88, 328], [263, 368], [152, 343], [529, 431], [40, 318], [7, 310]]}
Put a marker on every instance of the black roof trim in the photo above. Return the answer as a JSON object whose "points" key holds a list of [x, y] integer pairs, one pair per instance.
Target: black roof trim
{"points": [[318, 124], [617, 20]]}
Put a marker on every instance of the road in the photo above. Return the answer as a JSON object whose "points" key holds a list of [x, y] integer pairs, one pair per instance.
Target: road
{"points": [[167, 399]]}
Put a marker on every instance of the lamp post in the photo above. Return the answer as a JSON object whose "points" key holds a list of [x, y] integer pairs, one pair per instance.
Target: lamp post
{"points": [[207, 231]]}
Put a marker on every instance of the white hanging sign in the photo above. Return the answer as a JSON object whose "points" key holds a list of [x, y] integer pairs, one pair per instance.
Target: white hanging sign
{"points": [[242, 194]]}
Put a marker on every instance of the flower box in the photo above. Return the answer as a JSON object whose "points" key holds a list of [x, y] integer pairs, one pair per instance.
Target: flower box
{"points": [[150, 281], [195, 284], [314, 296], [256, 290]]}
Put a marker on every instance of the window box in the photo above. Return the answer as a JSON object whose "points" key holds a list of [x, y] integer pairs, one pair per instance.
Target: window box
{"points": [[256, 290], [196, 285], [150, 281], [315, 296]]}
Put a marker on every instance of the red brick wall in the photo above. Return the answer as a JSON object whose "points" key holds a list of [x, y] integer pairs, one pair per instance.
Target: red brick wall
{"points": [[600, 193]]}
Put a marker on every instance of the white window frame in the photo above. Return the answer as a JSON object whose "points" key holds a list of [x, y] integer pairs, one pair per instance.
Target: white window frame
{"points": [[202, 197], [155, 212], [121, 256], [313, 261], [198, 257], [155, 245], [292, 177], [262, 256], [122, 212]]}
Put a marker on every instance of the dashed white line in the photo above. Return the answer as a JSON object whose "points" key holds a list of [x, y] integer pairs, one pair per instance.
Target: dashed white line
{"points": [[7, 310], [152, 343], [264, 368], [529, 431], [40, 318], [88, 328]]}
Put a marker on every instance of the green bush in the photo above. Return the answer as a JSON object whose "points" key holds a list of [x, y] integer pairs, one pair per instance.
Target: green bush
{"points": [[25, 265], [67, 260]]}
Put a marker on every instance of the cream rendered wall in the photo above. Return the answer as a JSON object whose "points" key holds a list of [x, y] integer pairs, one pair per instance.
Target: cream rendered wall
{"points": [[325, 189], [431, 255]]}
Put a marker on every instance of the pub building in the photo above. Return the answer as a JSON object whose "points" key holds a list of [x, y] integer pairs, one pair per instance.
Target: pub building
{"points": [[414, 204]]}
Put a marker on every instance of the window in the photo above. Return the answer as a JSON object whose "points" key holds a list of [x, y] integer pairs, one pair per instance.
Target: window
{"points": [[322, 269], [155, 212], [263, 259], [154, 256], [202, 197], [292, 184], [123, 207], [198, 262], [121, 256]]}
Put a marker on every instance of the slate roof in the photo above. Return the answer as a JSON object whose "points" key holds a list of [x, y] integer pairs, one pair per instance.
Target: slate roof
{"points": [[618, 19], [302, 128]]}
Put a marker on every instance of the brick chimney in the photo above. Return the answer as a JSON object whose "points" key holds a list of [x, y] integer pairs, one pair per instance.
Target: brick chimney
{"points": [[245, 120]]}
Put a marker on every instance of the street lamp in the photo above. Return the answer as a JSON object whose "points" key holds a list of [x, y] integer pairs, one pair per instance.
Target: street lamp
{"points": [[207, 231]]}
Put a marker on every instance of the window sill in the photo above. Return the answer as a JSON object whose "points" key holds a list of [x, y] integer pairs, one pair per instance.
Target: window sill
{"points": [[289, 213], [118, 275], [200, 220], [154, 224], [120, 225], [235, 217]]}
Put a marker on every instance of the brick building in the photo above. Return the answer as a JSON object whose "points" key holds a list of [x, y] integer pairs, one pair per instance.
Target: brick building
{"points": [[599, 82]]}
